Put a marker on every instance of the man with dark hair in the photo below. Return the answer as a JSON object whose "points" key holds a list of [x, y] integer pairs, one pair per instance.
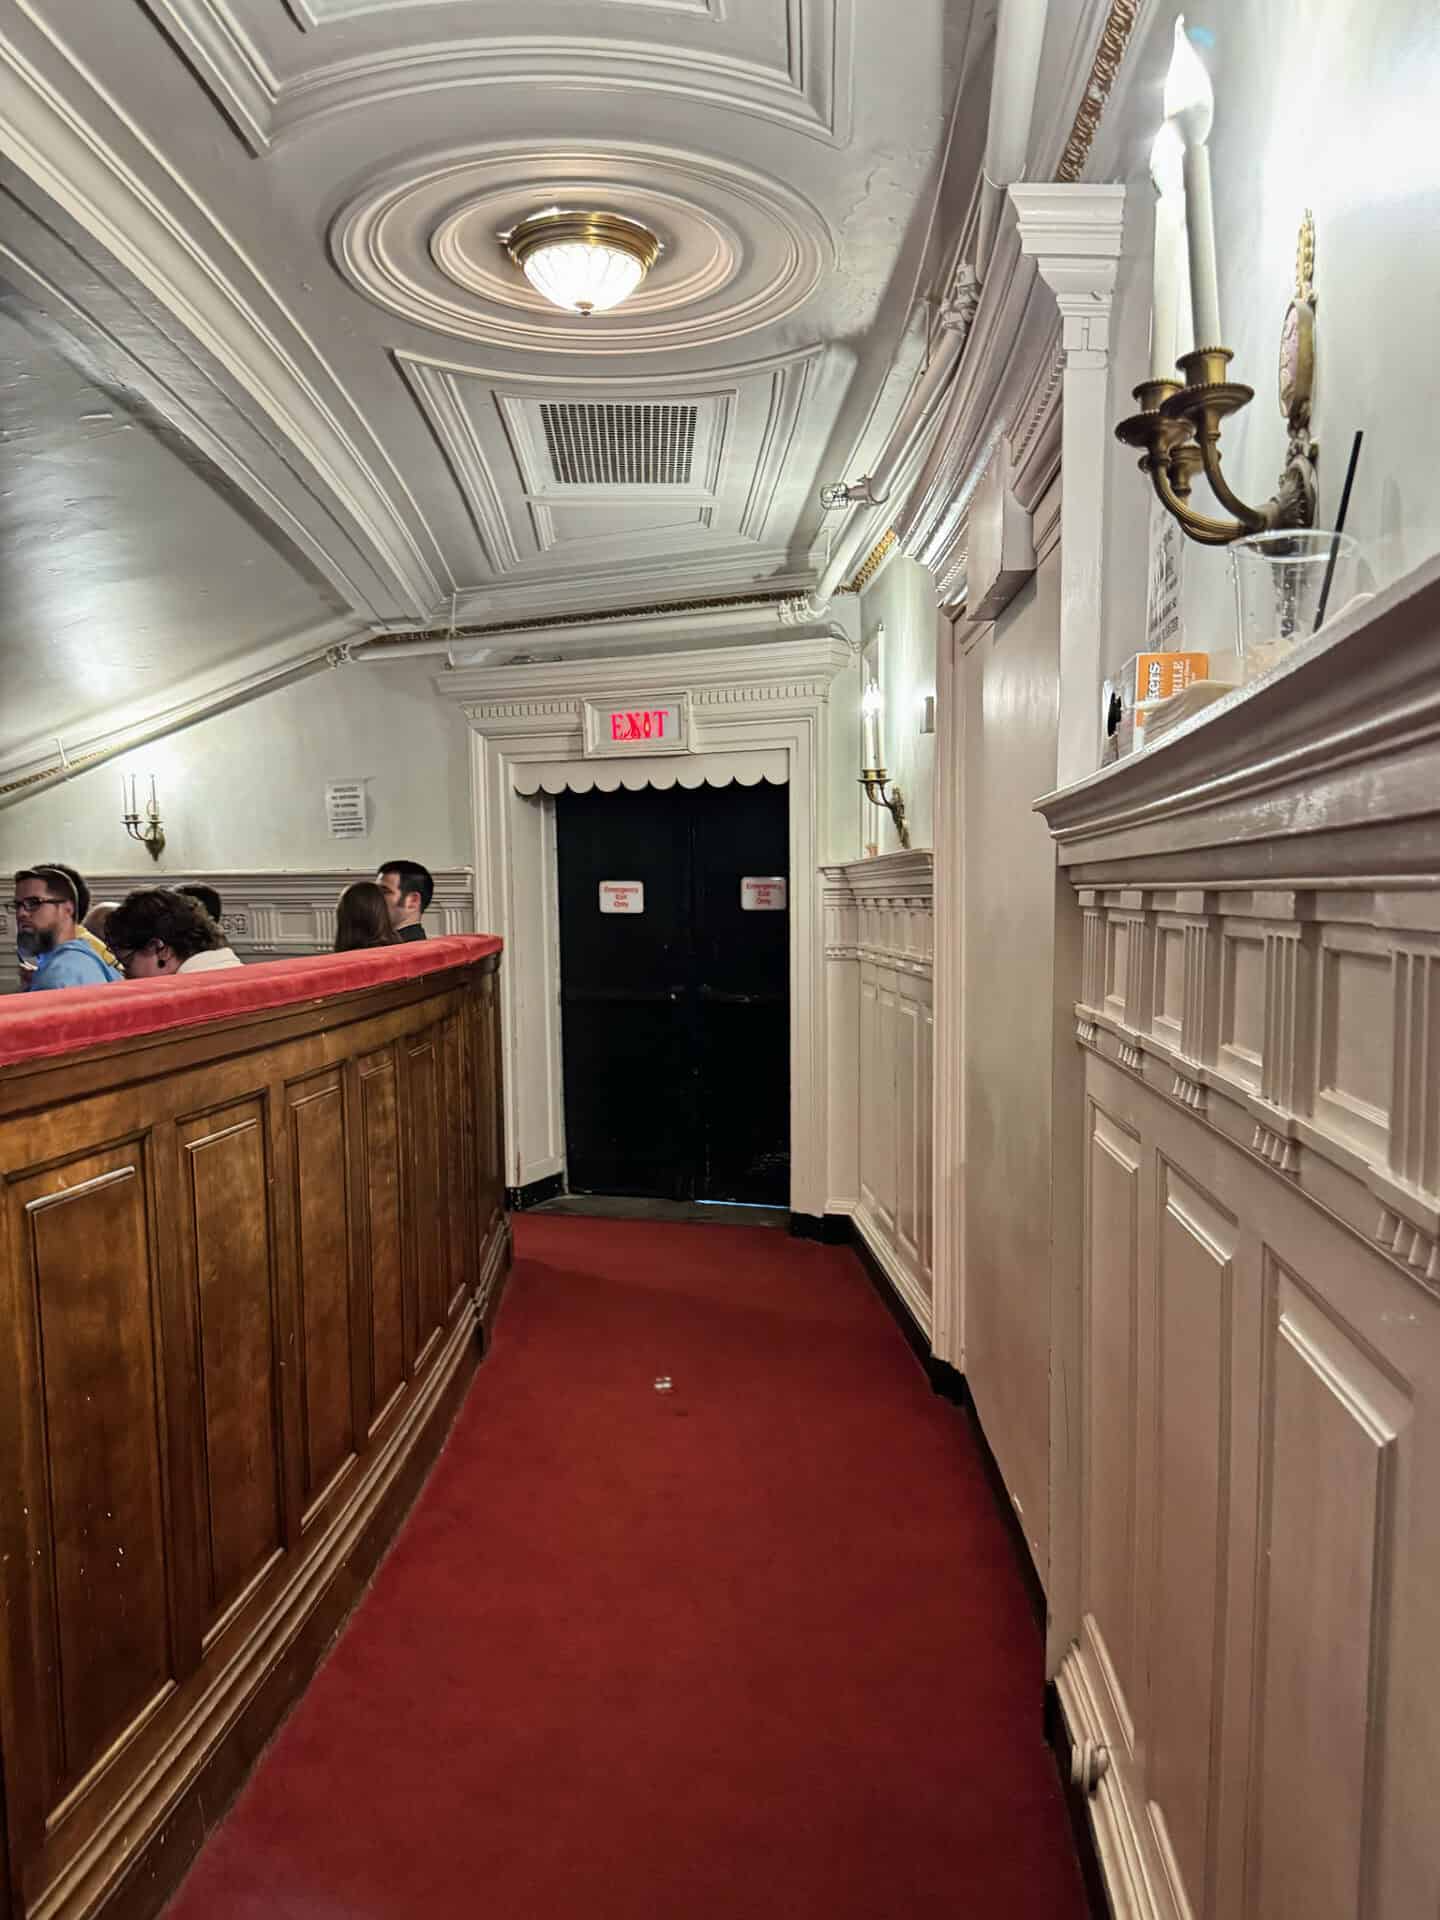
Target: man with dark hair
{"points": [[47, 913], [408, 891], [207, 896], [160, 931]]}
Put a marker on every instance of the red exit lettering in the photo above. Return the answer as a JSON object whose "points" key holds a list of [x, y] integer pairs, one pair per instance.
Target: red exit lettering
{"points": [[638, 726]]}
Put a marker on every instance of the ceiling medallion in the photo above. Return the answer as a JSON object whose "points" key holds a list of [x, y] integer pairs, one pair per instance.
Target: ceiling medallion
{"points": [[583, 262]]}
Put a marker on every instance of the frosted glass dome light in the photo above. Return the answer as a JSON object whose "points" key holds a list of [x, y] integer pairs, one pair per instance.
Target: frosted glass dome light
{"points": [[582, 262]]}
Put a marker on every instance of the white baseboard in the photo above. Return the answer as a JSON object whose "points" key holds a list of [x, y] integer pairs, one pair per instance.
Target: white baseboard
{"points": [[894, 1269]]}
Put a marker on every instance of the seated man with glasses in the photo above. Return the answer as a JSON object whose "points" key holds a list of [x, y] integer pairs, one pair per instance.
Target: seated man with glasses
{"points": [[47, 909], [160, 931]]}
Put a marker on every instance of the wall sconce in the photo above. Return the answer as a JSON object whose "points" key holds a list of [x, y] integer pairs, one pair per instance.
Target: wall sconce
{"points": [[874, 779], [148, 831], [1178, 426]]}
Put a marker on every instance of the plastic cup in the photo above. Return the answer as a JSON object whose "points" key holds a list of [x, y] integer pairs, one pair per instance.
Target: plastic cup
{"points": [[1279, 578]]}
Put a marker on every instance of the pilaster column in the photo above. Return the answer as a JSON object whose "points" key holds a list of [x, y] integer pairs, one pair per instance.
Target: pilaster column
{"points": [[1073, 235]]}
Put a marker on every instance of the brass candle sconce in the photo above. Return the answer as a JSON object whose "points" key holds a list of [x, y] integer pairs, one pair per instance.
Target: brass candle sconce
{"points": [[1179, 426], [144, 827], [875, 780]]}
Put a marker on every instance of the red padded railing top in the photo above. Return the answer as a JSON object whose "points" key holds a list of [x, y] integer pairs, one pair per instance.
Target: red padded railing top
{"points": [[34, 1025]]}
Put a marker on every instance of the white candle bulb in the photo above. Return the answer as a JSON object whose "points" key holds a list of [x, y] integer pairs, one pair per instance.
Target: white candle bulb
{"points": [[1167, 161], [1190, 103], [870, 708]]}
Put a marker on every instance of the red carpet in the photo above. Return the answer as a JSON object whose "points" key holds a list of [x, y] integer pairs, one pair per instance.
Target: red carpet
{"points": [[757, 1647]]}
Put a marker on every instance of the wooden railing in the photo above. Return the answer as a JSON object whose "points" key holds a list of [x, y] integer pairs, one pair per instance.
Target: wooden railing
{"points": [[244, 1270]]}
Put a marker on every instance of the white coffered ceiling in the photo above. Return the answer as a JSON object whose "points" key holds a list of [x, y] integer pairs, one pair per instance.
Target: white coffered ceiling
{"points": [[274, 224]]}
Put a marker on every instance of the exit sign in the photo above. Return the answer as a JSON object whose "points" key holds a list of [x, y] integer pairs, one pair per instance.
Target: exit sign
{"points": [[648, 724]]}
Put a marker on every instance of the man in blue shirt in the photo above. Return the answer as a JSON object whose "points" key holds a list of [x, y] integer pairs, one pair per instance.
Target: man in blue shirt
{"points": [[47, 906]]}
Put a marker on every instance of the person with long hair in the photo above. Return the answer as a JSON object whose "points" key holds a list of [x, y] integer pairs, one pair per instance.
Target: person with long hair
{"points": [[362, 919]]}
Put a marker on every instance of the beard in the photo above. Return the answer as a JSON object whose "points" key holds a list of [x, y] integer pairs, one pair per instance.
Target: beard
{"points": [[45, 938]]}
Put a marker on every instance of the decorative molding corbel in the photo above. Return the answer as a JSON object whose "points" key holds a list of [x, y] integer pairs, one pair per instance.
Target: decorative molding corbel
{"points": [[1073, 234]]}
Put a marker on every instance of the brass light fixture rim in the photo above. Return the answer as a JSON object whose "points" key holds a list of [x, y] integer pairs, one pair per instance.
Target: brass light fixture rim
{"points": [[590, 226]]}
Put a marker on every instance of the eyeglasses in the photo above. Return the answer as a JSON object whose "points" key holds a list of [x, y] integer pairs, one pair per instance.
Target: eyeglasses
{"points": [[33, 901]]}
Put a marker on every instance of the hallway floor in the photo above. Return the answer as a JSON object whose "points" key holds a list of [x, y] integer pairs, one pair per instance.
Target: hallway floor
{"points": [[753, 1646]]}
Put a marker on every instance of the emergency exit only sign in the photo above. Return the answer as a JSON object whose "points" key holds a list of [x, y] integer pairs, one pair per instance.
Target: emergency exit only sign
{"points": [[622, 896], [762, 894]]}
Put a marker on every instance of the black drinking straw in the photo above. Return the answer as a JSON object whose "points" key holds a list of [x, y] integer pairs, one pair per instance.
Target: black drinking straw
{"points": [[1339, 529]]}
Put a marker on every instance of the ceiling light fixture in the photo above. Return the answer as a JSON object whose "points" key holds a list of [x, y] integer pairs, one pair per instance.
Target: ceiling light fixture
{"points": [[582, 261]]}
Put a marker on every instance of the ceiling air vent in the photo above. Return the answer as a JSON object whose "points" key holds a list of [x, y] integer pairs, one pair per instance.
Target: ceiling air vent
{"points": [[619, 444]]}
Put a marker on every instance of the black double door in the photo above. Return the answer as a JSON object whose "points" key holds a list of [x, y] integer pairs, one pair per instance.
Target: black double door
{"points": [[676, 1016]]}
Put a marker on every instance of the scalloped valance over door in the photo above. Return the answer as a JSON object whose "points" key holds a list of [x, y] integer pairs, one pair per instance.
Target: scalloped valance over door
{"points": [[746, 769]]}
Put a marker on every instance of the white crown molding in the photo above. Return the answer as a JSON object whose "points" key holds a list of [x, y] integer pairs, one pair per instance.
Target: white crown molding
{"points": [[771, 671], [310, 14], [1066, 239], [227, 59], [95, 164], [1008, 346], [811, 93]]}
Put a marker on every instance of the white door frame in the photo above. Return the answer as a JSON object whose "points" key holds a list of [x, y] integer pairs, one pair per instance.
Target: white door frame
{"points": [[745, 700]]}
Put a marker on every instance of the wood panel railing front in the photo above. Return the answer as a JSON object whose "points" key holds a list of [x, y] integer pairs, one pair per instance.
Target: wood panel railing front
{"points": [[242, 1274]]}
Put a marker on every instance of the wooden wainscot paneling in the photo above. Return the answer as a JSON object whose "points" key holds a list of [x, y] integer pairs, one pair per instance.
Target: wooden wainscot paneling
{"points": [[1253, 1665], [323, 1261], [228, 1270], [225, 1252], [392, 1336], [426, 1233], [89, 1641], [882, 917]]}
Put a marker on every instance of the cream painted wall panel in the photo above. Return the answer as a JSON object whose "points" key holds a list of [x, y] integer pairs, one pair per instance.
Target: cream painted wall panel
{"points": [[1337, 1443], [1286, 1424], [902, 601], [1194, 1280], [246, 790], [1010, 699], [880, 962], [1111, 1446], [914, 1129]]}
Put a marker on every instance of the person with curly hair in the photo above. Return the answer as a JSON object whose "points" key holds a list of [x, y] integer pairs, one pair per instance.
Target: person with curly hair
{"points": [[158, 931]]}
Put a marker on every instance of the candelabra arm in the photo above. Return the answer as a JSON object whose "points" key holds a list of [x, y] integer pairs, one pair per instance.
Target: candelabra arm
{"points": [[1198, 526], [875, 780], [1207, 434]]}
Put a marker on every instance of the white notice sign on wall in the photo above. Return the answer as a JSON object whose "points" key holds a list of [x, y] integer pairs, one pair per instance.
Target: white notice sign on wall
{"points": [[345, 809], [762, 895], [622, 896]]}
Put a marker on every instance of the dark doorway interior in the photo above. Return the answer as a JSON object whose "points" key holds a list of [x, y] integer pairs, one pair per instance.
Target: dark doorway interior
{"points": [[676, 1018]]}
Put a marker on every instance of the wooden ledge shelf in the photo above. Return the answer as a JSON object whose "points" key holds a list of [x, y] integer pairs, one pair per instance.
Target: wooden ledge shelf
{"points": [[251, 1232], [1327, 765]]}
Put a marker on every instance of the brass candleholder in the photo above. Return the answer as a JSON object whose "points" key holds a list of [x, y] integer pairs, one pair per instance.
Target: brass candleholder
{"points": [[144, 827], [875, 780], [1179, 425]]}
